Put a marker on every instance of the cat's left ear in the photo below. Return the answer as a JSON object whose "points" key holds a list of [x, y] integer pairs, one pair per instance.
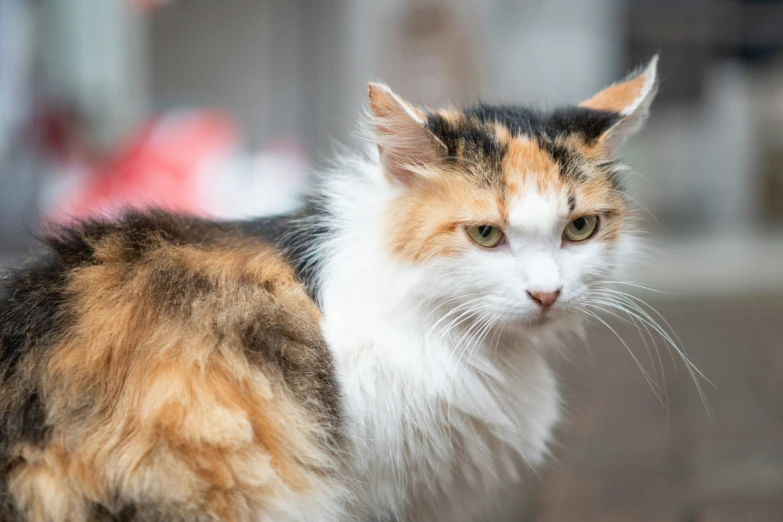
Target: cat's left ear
{"points": [[630, 99], [405, 145]]}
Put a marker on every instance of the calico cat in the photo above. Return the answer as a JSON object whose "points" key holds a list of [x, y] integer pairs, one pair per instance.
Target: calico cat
{"points": [[380, 354]]}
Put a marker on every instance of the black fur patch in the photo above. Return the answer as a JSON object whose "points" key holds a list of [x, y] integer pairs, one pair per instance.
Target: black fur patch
{"points": [[546, 127], [466, 138], [567, 160], [297, 235], [470, 141], [131, 512], [33, 313], [586, 123], [174, 287], [140, 232], [31, 309], [127, 513], [8, 511], [25, 421], [304, 361]]}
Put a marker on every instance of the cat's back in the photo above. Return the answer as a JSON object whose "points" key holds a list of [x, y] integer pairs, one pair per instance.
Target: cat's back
{"points": [[163, 367]]}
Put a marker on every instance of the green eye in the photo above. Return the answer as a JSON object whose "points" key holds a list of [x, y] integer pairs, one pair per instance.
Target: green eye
{"points": [[485, 235], [581, 228]]}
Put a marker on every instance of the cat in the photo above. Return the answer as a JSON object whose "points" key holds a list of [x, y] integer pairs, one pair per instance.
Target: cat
{"points": [[379, 354]]}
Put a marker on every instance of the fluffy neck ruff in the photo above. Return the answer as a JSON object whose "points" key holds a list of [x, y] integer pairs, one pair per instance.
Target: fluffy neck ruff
{"points": [[438, 403]]}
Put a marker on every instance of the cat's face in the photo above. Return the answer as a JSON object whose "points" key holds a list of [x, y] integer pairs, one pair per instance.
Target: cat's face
{"points": [[512, 213]]}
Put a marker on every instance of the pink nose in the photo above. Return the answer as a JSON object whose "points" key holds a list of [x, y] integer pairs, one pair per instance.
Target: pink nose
{"points": [[545, 299]]}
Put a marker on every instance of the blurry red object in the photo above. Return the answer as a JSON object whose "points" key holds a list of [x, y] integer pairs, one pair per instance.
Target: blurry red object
{"points": [[163, 165]]}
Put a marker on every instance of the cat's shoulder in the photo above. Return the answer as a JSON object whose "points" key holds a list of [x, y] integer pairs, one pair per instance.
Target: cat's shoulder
{"points": [[146, 268], [167, 247]]}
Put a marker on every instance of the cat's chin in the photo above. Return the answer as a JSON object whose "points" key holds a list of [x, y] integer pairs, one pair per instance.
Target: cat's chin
{"points": [[543, 320], [538, 321]]}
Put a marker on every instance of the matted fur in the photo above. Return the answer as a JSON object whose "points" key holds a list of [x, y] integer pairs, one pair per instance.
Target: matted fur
{"points": [[361, 359]]}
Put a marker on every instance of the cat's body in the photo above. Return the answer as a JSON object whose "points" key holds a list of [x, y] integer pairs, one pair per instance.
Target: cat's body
{"points": [[379, 355], [165, 368]]}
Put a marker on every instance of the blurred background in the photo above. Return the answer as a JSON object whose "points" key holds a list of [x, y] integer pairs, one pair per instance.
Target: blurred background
{"points": [[222, 108]]}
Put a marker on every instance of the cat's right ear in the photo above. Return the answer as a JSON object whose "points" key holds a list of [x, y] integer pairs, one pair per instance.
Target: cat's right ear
{"points": [[630, 99], [405, 145]]}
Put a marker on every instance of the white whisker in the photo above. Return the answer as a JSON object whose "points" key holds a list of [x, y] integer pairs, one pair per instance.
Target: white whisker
{"points": [[634, 308], [653, 384]]}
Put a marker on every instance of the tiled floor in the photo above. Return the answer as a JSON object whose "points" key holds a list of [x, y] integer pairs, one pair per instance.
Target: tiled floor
{"points": [[623, 456]]}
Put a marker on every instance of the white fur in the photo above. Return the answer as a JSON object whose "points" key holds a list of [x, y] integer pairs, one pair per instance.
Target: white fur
{"points": [[443, 414]]}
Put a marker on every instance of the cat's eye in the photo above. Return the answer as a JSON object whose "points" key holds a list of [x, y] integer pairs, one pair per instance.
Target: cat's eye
{"points": [[485, 235], [581, 228]]}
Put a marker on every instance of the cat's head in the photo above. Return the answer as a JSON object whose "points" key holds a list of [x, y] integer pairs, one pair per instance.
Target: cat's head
{"points": [[520, 212]]}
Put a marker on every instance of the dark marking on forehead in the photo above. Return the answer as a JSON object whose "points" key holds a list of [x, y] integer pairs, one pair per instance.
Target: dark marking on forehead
{"points": [[571, 203], [551, 129], [589, 124], [465, 137], [569, 162], [470, 140], [472, 136]]}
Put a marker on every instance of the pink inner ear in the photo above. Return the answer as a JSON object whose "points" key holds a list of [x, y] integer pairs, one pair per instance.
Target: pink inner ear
{"points": [[400, 134], [385, 104], [618, 97]]}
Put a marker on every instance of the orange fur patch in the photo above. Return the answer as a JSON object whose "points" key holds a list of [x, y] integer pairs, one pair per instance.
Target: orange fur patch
{"points": [[429, 220], [154, 399], [524, 161], [617, 97]]}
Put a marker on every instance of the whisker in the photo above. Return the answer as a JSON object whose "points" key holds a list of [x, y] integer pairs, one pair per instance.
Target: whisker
{"points": [[476, 328], [455, 323], [621, 296], [637, 203], [642, 328], [649, 289], [447, 301], [638, 325], [646, 375], [675, 343], [656, 312], [453, 311], [640, 313]]}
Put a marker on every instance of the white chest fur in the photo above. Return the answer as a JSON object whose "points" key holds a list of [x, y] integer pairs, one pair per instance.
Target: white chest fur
{"points": [[434, 438], [437, 430]]}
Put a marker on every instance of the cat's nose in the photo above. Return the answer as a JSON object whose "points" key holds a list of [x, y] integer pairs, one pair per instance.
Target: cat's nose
{"points": [[545, 299]]}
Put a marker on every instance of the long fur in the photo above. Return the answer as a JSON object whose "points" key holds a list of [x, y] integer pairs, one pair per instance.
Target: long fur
{"points": [[361, 359]]}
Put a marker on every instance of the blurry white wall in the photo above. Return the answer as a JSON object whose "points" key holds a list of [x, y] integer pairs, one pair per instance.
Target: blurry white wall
{"points": [[297, 70], [93, 54], [299, 67]]}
